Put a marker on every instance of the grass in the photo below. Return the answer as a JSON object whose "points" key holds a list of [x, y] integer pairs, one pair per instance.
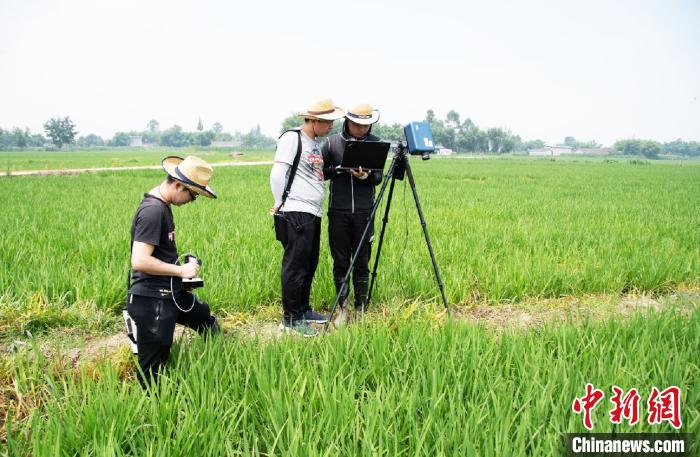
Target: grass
{"points": [[397, 388], [408, 382], [503, 231], [115, 157]]}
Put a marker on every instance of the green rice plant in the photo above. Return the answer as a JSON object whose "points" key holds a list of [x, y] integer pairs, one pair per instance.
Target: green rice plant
{"points": [[408, 389], [503, 231], [119, 157]]}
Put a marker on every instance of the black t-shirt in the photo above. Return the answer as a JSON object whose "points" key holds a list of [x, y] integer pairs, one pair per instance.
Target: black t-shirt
{"points": [[153, 224]]}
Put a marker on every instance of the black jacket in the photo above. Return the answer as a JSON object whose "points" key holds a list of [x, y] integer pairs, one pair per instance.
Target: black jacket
{"points": [[347, 193]]}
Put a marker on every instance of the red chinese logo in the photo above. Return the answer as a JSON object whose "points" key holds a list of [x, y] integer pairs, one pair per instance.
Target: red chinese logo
{"points": [[587, 403], [665, 406], [626, 407]]}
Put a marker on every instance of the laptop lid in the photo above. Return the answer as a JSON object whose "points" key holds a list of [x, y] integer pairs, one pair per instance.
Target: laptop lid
{"points": [[370, 155]]}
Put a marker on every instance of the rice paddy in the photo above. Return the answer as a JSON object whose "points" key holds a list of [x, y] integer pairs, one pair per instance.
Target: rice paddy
{"points": [[405, 383]]}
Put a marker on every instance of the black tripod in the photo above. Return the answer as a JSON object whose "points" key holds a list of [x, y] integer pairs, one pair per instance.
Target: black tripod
{"points": [[398, 168]]}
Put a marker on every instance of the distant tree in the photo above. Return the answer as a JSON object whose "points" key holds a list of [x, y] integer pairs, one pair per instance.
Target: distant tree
{"points": [[533, 144], [149, 137], [153, 126], [224, 136], [90, 140], [647, 148], [452, 119], [588, 144], [472, 139], [6, 140], [204, 138], [119, 140], [442, 134], [174, 137], [20, 138], [573, 143], [256, 140], [217, 128], [36, 140], [200, 126], [570, 141], [61, 131], [386, 132], [682, 148], [291, 122], [515, 143], [495, 137]]}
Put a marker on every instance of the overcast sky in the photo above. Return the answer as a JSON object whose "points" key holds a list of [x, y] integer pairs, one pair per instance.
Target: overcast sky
{"points": [[602, 70]]}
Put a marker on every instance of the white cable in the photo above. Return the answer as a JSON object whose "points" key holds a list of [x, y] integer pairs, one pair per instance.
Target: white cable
{"points": [[172, 294]]}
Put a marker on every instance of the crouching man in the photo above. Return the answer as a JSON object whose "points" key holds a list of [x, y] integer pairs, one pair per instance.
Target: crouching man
{"points": [[156, 299]]}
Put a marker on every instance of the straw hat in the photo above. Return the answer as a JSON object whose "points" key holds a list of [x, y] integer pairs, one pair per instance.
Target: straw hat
{"points": [[322, 109], [193, 172], [362, 114]]}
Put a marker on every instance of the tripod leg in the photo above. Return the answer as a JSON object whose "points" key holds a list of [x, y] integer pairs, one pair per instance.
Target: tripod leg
{"points": [[344, 286], [385, 220], [427, 237]]}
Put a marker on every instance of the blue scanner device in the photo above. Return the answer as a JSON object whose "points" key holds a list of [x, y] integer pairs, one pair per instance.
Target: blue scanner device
{"points": [[419, 138]]}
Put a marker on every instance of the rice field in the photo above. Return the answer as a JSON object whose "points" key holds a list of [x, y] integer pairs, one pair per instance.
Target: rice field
{"points": [[410, 381], [11, 161], [398, 388], [502, 230]]}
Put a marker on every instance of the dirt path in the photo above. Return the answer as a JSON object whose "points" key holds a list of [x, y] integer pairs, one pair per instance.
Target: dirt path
{"points": [[73, 171], [499, 317]]}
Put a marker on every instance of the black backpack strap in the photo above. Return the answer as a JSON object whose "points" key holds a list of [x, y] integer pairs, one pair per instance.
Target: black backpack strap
{"points": [[295, 165]]}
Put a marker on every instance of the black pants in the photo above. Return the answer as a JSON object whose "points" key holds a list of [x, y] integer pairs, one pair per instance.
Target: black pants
{"points": [[300, 235], [344, 233], [155, 320]]}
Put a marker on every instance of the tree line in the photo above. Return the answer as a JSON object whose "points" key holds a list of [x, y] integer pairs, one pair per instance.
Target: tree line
{"points": [[60, 132], [465, 136], [451, 132]]}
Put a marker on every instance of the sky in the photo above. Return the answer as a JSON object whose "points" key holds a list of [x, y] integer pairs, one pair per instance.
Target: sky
{"points": [[595, 70]]}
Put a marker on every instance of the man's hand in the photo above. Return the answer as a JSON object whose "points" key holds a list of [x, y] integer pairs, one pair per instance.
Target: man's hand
{"points": [[190, 269], [273, 210], [358, 173]]}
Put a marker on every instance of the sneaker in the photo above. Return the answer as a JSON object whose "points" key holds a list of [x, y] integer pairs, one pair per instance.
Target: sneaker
{"points": [[314, 317], [298, 327]]}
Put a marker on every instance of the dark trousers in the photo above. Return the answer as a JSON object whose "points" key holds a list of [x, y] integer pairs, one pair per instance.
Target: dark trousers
{"points": [[300, 235], [344, 233], [155, 320]]}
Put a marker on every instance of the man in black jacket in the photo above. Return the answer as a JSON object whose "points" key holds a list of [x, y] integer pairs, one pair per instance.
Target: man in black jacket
{"points": [[350, 203]]}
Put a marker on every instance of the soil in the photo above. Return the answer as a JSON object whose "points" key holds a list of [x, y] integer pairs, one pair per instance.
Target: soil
{"points": [[499, 317]]}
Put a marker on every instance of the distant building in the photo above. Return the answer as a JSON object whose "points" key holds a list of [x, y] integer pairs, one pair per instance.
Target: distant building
{"points": [[544, 152], [551, 151], [559, 150], [444, 151], [594, 151], [136, 141]]}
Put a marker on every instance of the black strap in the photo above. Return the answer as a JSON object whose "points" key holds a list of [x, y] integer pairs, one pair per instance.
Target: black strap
{"points": [[295, 165]]}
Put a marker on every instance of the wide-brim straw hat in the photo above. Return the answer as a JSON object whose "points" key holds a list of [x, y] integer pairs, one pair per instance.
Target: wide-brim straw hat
{"points": [[323, 109], [193, 172], [362, 114]]}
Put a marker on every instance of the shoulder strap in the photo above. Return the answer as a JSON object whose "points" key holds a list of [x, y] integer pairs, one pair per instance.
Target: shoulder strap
{"points": [[295, 165]]}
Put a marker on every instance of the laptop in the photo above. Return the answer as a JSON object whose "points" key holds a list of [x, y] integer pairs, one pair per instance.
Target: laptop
{"points": [[370, 155]]}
